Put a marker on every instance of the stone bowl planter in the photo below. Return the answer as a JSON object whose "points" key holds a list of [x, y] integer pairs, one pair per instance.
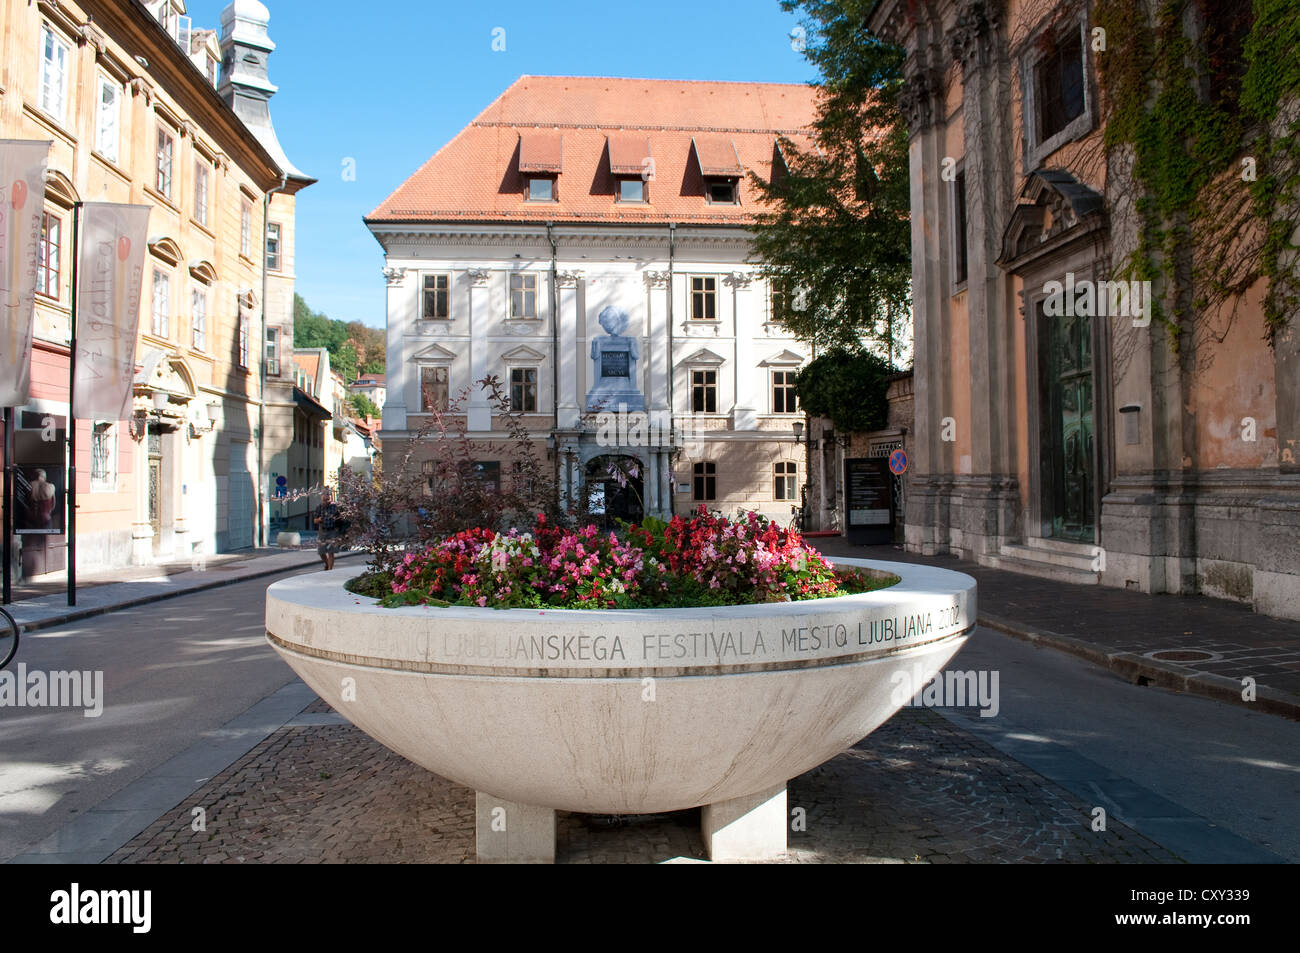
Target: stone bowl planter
{"points": [[623, 711]]}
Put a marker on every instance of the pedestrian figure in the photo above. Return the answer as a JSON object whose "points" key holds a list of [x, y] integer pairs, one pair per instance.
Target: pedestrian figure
{"points": [[331, 526]]}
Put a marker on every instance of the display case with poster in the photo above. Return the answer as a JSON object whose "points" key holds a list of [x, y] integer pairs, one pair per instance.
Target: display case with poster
{"points": [[39, 500]]}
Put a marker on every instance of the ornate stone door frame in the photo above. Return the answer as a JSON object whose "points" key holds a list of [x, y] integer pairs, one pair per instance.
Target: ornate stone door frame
{"points": [[1061, 229]]}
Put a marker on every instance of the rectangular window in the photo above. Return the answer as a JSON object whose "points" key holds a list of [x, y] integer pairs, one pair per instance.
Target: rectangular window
{"points": [[783, 396], [541, 190], [785, 481], [54, 75], [489, 473], [436, 301], [722, 191], [522, 481], [779, 304], [47, 261], [523, 390], [523, 296], [704, 392], [243, 340], [273, 351], [705, 482], [199, 318], [704, 299], [434, 389], [162, 303], [245, 227], [272, 246], [166, 151], [101, 457], [108, 118], [959, 258], [201, 192], [1058, 86], [631, 190]]}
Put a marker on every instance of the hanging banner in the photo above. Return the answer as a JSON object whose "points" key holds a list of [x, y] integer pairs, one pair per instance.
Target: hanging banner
{"points": [[110, 270], [22, 200]]}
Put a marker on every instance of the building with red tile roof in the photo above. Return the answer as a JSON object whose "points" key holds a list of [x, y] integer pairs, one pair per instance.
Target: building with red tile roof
{"points": [[586, 241]]}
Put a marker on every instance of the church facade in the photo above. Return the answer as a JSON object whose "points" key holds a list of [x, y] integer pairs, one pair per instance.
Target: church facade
{"points": [[585, 241], [1057, 429]]}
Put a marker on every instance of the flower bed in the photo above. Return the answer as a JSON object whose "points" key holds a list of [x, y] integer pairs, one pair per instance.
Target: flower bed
{"points": [[701, 561]]}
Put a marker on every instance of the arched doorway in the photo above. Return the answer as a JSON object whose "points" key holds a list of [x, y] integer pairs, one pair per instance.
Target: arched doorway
{"points": [[615, 489]]}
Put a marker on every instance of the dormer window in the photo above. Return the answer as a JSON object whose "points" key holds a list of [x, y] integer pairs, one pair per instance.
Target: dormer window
{"points": [[631, 190], [541, 160], [722, 191], [631, 166], [541, 189], [719, 164]]}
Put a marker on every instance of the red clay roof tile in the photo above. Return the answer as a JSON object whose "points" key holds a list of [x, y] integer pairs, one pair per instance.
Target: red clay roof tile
{"points": [[592, 124]]}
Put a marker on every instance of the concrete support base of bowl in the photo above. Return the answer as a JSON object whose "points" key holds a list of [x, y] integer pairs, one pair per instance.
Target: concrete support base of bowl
{"points": [[741, 828], [746, 828], [507, 832]]}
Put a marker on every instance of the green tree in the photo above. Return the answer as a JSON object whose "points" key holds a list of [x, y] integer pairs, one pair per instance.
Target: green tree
{"points": [[838, 241], [352, 345], [363, 406], [849, 387]]}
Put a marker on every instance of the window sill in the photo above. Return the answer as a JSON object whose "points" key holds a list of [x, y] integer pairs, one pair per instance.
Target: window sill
{"points": [[203, 228], [50, 123], [110, 166], [160, 197]]}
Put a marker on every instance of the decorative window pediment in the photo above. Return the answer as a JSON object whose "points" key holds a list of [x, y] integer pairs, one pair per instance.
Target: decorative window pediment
{"points": [[523, 353], [434, 354], [704, 358], [59, 189], [165, 249], [784, 358], [204, 271], [1055, 208]]}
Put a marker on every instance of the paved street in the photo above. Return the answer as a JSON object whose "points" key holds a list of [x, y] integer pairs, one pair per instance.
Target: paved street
{"points": [[200, 713], [174, 672]]}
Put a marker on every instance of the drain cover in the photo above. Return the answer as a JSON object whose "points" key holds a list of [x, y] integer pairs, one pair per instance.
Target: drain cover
{"points": [[1182, 655]]}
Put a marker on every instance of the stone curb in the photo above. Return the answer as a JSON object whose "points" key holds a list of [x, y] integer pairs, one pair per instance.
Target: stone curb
{"points": [[74, 614], [1168, 675]]}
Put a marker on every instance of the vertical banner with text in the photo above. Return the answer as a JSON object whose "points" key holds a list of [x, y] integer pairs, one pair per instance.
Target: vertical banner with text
{"points": [[110, 270], [22, 200]]}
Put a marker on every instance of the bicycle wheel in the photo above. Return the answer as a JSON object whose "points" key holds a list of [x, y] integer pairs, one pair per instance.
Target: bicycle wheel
{"points": [[8, 638]]}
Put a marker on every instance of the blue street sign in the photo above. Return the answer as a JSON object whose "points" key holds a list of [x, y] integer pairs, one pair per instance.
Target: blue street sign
{"points": [[898, 462]]}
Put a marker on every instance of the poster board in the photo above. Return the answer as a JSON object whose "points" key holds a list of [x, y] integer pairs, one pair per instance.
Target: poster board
{"points": [[868, 501], [39, 501]]}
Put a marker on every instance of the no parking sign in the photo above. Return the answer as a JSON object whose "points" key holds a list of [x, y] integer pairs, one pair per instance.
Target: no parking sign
{"points": [[898, 462]]}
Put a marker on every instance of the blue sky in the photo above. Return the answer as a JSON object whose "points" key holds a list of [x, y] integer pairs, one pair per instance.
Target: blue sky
{"points": [[387, 84]]}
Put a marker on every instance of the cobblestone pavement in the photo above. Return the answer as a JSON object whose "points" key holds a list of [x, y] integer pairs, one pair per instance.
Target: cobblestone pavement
{"points": [[1238, 641], [918, 790]]}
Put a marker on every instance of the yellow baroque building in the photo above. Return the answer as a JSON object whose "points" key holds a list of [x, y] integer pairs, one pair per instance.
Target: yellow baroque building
{"points": [[142, 108]]}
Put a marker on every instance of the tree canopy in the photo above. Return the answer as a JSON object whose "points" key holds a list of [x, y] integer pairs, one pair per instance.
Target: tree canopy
{"points": [[849, 387], [838, 242], [353, 347]]}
